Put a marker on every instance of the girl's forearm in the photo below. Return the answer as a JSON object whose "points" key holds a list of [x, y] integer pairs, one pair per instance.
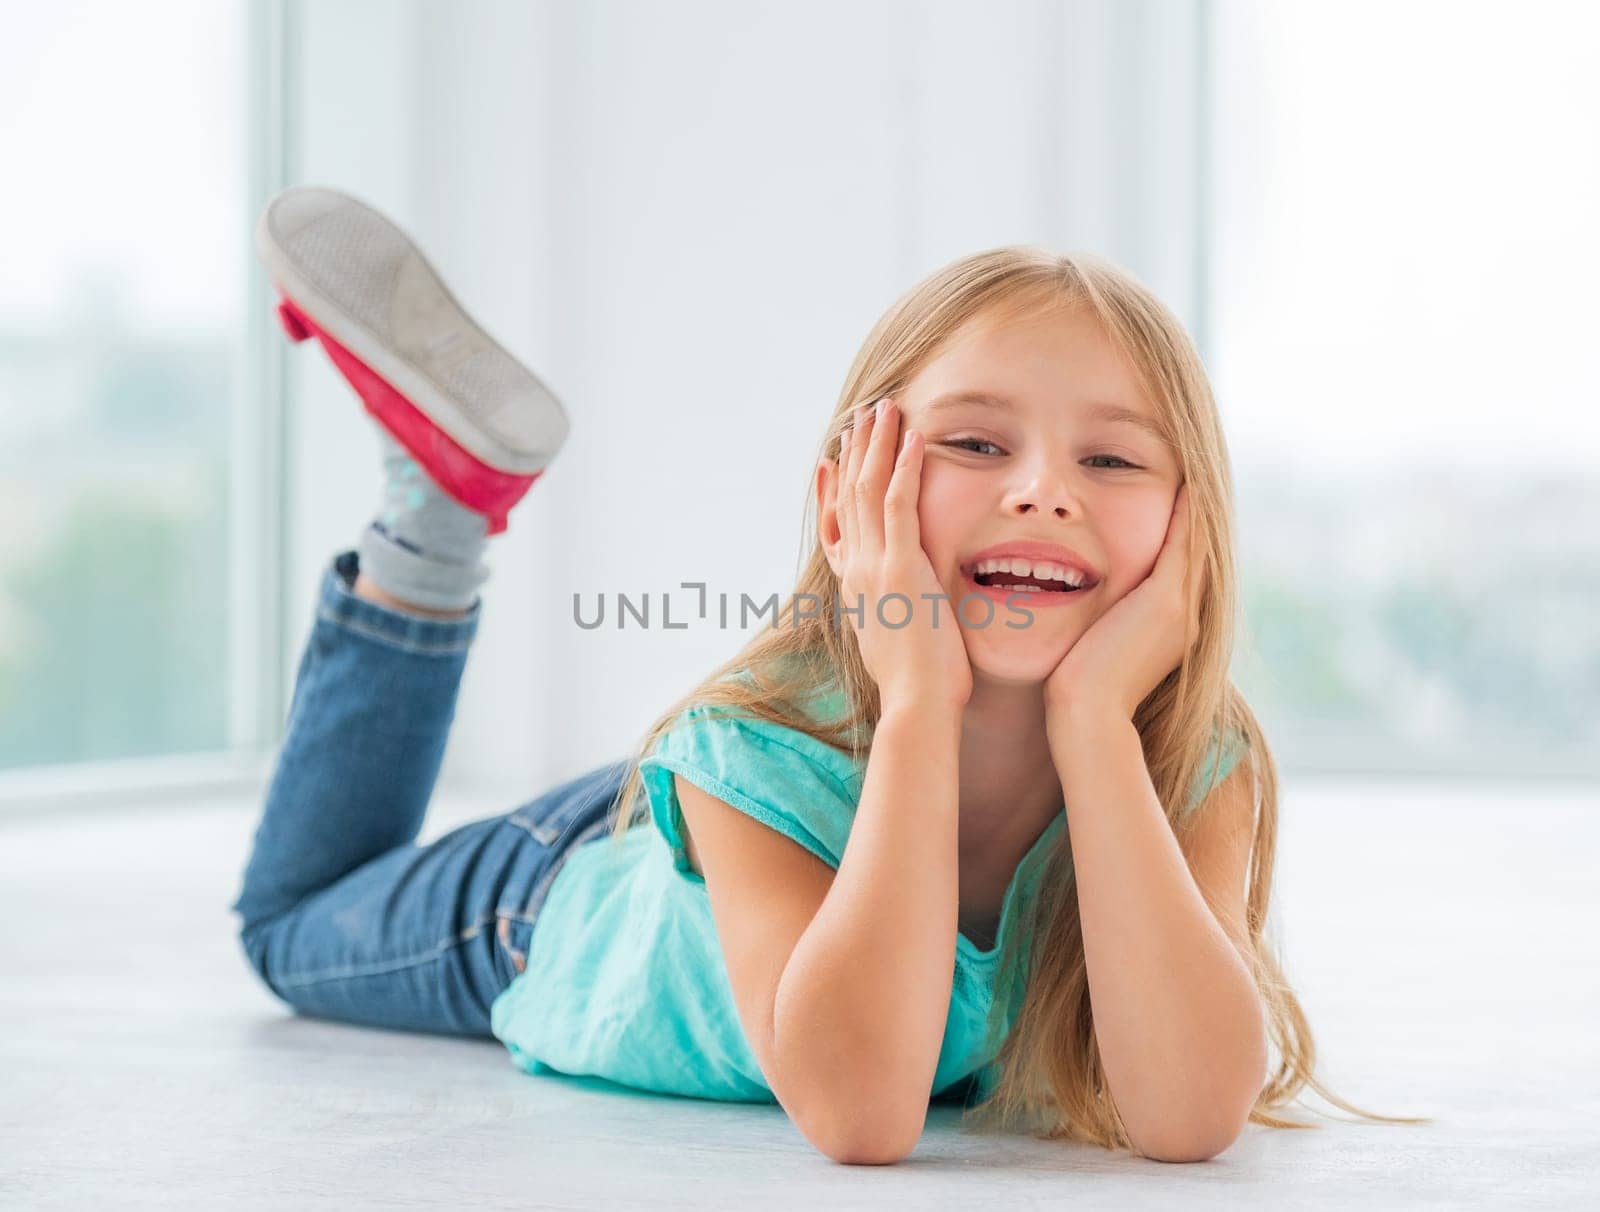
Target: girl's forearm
{"points": [[860, 1010], [1176, 1012]]}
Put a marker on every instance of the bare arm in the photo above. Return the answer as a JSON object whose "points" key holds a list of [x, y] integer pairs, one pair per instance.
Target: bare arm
{"points": [[861, 1006], [1177, 1015]]}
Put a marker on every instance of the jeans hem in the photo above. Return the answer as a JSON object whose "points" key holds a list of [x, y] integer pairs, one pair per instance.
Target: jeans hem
{"points": [[339, 604]]}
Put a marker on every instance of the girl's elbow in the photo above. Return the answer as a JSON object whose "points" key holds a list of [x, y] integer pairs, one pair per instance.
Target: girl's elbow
{"points": [[876, 1147], [849, 1152], [1198, 1143], [1209, 1130], [867, 1157], [1183, 1151]]}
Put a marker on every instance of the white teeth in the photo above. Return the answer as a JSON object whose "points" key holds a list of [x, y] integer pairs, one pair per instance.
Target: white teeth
{"points": [[1042, 569]]}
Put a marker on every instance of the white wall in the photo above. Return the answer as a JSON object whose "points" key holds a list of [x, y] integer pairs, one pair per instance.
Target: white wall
{"points": [[686, 217]]}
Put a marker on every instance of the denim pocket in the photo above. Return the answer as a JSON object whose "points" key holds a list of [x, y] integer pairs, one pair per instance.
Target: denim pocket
{"points": [[512, 933], [576, 811]]}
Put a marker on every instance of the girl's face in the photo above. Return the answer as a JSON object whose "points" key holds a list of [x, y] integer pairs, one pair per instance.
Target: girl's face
{"points": [[1017, 448]]}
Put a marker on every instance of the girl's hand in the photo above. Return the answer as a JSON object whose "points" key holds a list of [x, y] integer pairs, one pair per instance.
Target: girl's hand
{"points": [[881, 555], [1138, 641]]}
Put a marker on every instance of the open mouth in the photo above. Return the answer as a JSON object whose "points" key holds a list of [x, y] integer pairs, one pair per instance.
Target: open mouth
{"points": [[1028, 590]]}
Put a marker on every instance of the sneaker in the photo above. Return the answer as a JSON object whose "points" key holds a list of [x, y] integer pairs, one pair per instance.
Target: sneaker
{"points": [[477, 420]]}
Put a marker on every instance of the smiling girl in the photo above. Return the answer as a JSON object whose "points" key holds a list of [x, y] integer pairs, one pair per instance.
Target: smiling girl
{"points": [[994, 824]]}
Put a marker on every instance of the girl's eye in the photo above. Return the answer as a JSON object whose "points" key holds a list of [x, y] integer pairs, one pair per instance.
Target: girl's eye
{"points": [[965, 442], [1118, 458]]}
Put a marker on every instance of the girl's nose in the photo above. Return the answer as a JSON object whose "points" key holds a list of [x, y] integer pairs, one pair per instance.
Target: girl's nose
{"points": [[1046, 493]]}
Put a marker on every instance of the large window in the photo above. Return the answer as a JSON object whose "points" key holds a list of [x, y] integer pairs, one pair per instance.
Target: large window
{"points": [[1398, 252], [124, 135], [1402, 270]]}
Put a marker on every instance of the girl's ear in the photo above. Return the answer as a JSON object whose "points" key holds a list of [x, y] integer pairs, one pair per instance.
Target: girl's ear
{"points": [[827, 488]]}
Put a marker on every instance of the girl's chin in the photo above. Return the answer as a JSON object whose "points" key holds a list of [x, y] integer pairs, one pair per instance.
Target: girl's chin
{"points": [[1015, 668], [1014, 649], [1011, 679]]}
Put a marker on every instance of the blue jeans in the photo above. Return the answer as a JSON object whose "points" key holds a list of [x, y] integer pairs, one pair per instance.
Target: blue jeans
{"points": [[343, 915]]}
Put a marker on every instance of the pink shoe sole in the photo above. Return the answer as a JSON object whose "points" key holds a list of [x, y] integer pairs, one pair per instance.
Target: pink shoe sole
{"points": [[482, 424], [466, 478]]}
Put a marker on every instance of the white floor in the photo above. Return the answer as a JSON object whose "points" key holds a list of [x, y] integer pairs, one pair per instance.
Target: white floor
{"points": [[1443, 943]]}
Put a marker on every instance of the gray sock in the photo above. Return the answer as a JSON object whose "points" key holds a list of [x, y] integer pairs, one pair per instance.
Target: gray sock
{"points": [[423, 546]]}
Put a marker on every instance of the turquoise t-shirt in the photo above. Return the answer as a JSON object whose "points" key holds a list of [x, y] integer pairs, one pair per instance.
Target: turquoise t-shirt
{"points": [[625, 978]]}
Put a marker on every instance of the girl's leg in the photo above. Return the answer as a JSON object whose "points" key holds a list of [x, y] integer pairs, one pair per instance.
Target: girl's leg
{"points": [[373, 699], [342, 914]]}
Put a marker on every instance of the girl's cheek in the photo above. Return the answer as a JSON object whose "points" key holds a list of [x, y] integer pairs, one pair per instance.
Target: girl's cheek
{"points": [[1139, 539], [939, 515]]}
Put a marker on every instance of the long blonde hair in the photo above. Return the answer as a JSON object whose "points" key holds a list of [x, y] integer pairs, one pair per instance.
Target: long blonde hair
{"points": [[1050, 1080]]}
